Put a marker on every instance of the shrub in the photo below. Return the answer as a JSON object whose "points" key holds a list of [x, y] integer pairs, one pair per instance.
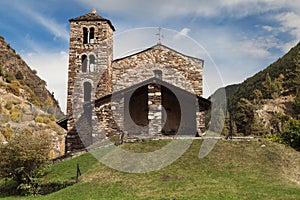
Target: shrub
{"points": [[27, 89], [274, 138], [19, 75], [39, 119], [46, 120], [7, 132], [291, 133], [9, 77], [23, 158], [14, 88], [15, 115], [34, 100], [52, 118]]}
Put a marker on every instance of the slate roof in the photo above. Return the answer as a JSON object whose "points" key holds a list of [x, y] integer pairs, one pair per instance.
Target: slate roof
{"points": [[204, 104], [92, 16], [157, 46]]}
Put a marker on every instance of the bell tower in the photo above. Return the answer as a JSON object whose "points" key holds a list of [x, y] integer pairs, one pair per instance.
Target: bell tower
{"points": [[90, 57], [90, 60]]}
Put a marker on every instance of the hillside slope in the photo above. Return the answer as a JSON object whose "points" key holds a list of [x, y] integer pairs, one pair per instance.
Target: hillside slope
{"points": [[256, 169], [25, 103], [264, 102], [13, 65]]}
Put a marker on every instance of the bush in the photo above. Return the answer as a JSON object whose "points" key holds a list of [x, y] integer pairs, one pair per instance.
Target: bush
{"points": [[23, 158], [14, 88], [274, 138], [19, 75], [46, 120], [9, 77], [15, 115], [52, 118], [39, 119], [7, 132], [291, 133]]}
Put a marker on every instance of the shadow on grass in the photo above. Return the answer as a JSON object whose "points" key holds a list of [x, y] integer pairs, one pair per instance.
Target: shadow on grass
{"points": [[9, 187], [55, 186]]}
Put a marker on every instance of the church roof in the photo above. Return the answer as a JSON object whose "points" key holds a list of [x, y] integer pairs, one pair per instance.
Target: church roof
{"points": [[204, 104], [158, 46], [92, 16]]}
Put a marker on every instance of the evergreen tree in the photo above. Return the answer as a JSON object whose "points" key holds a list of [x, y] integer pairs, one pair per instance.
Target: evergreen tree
{"points": [[226, 128], [296, 83], [257, 127], [269, 87], [244, 116], [257, 96]]}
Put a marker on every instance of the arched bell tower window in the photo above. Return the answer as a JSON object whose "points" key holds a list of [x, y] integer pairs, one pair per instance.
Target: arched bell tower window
{"points": [[85, 35], [92, 63], [88, 35], [92, 35], [84, 61], [87, 87]]}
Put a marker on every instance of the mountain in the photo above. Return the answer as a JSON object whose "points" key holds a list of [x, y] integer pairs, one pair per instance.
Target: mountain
{"points": [[264, 102], [25, 103]]}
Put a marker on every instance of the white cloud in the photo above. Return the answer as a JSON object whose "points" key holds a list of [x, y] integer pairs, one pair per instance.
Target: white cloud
{"points": [[183, 33], [165, 9], [53, 68], [268, 28]]}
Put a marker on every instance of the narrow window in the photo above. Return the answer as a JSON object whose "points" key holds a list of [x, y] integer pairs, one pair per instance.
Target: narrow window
{"points": [[85, 35], [92, 63], [84, 63], [87, 86], [92, 35]]}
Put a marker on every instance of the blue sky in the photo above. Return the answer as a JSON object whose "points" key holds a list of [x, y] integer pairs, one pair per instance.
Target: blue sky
{"points": [[241, 37]]}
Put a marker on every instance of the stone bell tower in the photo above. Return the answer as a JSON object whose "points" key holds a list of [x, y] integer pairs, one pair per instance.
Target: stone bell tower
{"points": [[90, 60], [90, 56]]}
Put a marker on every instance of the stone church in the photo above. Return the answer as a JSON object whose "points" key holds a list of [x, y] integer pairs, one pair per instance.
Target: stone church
{"points": [[153, 93]]}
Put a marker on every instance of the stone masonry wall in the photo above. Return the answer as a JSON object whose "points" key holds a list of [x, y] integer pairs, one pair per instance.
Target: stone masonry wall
{"points": [[177, 69], [101, 49]]}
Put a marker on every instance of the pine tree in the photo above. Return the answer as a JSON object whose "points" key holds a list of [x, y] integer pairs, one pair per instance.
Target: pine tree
{"points": [[244, 116], [226, 128], [296, 84], [269, 87]]}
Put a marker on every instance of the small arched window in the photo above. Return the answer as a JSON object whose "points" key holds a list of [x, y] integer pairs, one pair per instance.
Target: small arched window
{"points": [[85, 35], [84, 63], [87, 86], [92, 63], [92, 35]]}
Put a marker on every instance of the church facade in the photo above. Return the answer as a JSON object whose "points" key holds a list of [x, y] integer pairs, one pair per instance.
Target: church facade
{"points": [[152, 93]]}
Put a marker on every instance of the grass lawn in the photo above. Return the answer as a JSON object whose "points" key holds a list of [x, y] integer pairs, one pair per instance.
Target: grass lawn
{"points": [[233, 170]]}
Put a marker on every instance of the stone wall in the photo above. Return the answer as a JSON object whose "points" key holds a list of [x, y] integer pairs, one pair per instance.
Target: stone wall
{"points": [[101, 48], [177, 69]]}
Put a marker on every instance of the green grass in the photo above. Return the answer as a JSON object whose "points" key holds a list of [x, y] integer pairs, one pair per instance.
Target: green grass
{"points": [[233, 170]]}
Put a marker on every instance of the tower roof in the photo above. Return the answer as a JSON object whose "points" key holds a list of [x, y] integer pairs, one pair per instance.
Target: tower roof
{"points": [[92, 16]]}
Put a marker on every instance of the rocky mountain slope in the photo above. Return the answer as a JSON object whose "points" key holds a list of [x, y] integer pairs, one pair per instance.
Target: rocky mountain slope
{"points": [[264, 102], [25, 102]]}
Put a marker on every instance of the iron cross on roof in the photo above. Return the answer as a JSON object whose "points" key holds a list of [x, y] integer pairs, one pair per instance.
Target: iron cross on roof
{"points": [[160, 36]]}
